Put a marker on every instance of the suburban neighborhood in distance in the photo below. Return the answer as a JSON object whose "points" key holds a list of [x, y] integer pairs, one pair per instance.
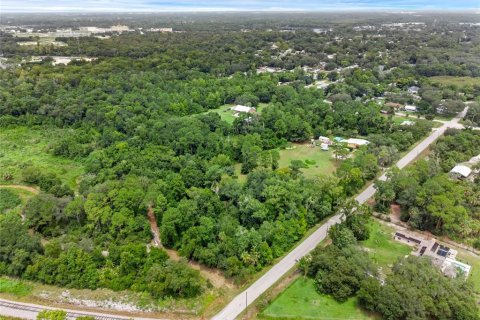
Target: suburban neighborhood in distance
{"points": [[261, 160]]}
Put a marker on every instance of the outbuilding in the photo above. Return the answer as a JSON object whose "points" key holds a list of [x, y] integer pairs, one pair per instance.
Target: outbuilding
{"points": [[460, 171], [325, 140], [410, 108]]}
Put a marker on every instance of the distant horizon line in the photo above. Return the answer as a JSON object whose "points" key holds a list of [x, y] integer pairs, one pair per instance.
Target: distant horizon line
{"points": [[233, 10]]}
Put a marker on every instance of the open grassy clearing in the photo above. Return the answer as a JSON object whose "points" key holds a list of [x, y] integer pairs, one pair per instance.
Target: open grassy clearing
{"points": [[227, 115], [317, 160], [457, 81], [399, 119], [301, 301], [383, 249], [21, 147]]}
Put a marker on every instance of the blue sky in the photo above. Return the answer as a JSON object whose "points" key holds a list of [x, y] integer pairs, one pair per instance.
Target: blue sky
{"points": [[230, 5]]}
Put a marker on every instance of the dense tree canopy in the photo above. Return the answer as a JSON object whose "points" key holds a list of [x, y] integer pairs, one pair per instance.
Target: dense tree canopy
{"points": [[418, 290]]}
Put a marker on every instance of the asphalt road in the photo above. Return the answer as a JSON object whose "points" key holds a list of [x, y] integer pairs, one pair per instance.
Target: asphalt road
{"points": [[239, 303]]}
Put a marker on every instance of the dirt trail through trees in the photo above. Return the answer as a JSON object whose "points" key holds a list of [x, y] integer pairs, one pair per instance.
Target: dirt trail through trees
{"points": [[154, 227], [20, 187], [214, 276]]}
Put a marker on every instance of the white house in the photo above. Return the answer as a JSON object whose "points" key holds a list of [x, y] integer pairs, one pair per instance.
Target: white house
{"points": [[324, 146], [460, 171], [410, 108], [245, 109], [413, 89]]}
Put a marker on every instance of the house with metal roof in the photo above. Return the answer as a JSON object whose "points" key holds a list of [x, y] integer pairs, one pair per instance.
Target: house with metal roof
{"points": [[460, 171]]}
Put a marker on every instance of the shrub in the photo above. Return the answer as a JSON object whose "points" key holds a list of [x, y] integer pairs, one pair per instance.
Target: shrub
{"points": [[8, 200]]}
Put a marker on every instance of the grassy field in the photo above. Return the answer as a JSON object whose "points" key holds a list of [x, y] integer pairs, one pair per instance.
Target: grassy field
{"points": [[301, 301], [458, 81], [400, 119], [21, 147], [381, 246], [322, 161]]}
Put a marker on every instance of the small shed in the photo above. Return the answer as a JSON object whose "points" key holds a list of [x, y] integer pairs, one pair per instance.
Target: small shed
{"points": [[325, 140], [410, 108], [460, 171]]}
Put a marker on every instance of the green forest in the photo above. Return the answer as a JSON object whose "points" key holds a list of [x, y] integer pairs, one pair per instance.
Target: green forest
{"points": [[137, 138]]}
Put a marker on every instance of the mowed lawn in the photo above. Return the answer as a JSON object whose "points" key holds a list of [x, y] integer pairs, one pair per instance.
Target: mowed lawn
{"points": [[301, 301], [318, 161], [399, 119], [458, 81], [383, 249], [21, 147]]}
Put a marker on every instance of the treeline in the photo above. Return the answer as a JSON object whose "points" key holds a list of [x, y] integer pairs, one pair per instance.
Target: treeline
{"points": [[74, 262], [429, 198]]}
